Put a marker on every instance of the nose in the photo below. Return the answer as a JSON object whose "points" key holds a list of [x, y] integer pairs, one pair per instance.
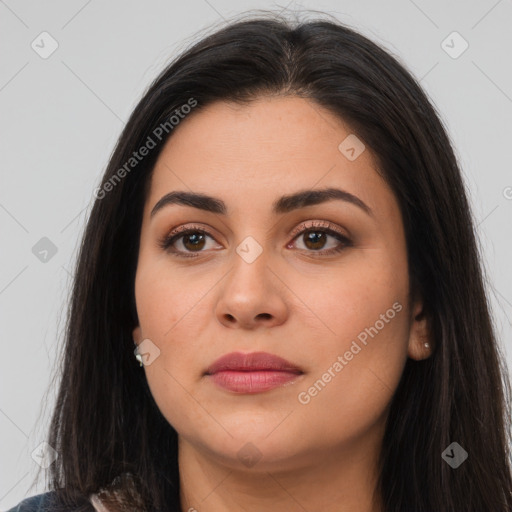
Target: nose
{"points": [[252, 295]]}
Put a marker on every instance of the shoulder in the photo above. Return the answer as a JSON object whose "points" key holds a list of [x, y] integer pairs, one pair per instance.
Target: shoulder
{"points": [[44, 502]]}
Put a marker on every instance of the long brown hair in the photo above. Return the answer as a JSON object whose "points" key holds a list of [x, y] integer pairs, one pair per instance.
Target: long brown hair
{"points": [[106, 422]]}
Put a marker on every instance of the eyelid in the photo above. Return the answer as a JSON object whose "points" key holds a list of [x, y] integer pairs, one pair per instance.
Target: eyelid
{"points": [[319, 224], [188, 227], [301, 227]]}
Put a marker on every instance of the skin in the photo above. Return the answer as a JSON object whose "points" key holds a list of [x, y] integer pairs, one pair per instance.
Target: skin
{"points": [[291, 301]]}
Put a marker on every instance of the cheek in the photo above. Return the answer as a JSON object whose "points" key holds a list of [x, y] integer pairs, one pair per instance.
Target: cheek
{"points": [[166, 300], [171, 310], [167, 307], [359, 358], [350, 297]]}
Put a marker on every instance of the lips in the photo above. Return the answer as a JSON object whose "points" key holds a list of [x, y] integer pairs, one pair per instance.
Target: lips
{"points": [[263, 361], [252, 373]]}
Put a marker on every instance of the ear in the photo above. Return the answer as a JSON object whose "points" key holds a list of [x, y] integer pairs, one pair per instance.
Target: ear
{"points": [[137, 335], [419, 334]]}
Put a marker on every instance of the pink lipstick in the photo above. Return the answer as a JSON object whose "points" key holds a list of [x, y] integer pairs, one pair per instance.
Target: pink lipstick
{"points": [[255, 372]]}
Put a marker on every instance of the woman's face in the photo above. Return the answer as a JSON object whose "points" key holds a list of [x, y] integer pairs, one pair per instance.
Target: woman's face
{"points": [[266, 276]]}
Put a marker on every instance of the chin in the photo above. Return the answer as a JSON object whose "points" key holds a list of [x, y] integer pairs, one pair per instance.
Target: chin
{"points": [[254, 446]]}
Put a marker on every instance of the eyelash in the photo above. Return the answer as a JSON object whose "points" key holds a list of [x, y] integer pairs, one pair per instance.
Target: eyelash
{"points": [[167, 242]]}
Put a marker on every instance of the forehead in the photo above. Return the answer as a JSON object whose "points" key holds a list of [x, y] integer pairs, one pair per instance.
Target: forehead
{"points": [[248, 154]]}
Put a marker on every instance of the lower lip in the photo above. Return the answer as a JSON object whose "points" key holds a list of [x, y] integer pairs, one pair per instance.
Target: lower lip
{"points": [[253, 382]]}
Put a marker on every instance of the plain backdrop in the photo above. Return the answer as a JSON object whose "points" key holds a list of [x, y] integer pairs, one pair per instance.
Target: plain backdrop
{"points": [[62, 112]]}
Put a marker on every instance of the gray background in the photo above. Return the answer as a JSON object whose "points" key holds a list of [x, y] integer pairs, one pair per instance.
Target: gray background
{"points": [[61, 115]]}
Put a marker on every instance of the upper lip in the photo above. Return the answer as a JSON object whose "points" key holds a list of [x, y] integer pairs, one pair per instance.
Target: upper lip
{"points": [[254, 361]]}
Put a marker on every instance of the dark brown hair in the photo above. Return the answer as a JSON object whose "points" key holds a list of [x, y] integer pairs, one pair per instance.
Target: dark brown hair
{"points": [[106, 422]]}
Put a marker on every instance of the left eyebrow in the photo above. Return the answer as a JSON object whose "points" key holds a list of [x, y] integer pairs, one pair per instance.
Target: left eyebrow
{"points": [[284, 204]]}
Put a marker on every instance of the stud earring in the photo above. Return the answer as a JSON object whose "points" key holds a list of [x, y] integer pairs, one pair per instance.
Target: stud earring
{"points": [[137, 355], [427, 345]]}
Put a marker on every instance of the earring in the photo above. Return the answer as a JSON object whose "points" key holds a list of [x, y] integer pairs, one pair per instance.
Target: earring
{"points": [[427, 345], [137, 355]]}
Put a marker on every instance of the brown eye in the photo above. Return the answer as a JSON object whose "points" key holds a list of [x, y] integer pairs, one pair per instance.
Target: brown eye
{"points": [[186, 242], [190, 243], [193, 241], [315, 239]]}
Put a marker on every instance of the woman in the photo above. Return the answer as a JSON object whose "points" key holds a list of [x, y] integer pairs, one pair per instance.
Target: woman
{"points": [[278, 302]]}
